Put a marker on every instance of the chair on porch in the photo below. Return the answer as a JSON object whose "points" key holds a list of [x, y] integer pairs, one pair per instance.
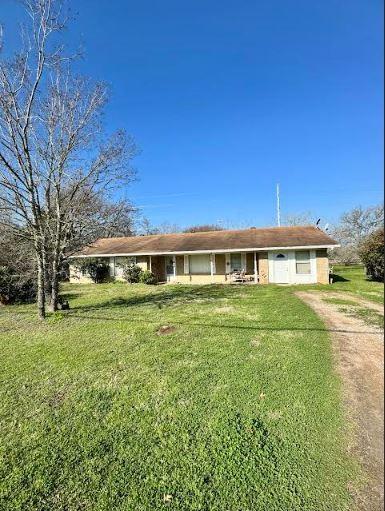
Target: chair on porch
{"points": [[238, 276]]}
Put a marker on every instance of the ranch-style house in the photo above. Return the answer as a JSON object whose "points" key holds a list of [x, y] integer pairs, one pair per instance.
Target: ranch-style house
{"points": [[280, 255]]}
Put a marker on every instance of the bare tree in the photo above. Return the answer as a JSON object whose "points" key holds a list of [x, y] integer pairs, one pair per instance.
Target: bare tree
{"points": [[305, 218], [353, 228], [203, 228], [98, 218], [357, 224], [146, 228], [53, 155]]}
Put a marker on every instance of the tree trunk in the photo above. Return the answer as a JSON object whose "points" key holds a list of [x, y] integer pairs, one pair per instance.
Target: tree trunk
{"points": [[47, 281], [54, 285], [40, 287]]}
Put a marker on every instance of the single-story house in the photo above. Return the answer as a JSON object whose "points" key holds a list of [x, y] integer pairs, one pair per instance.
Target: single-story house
{"points": [[281, 255]]}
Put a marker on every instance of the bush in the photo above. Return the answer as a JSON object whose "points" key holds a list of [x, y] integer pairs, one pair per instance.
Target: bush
{"points": [[15, 288], [147, 277], [372, 255], [98, 271], [132, 273]]}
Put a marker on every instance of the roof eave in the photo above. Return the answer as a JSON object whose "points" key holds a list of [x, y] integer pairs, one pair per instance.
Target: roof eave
{"points": [[211, 251]]}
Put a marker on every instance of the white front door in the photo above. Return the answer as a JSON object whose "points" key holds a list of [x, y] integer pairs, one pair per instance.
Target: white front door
{"points": [[170, 268], [281, 268]]}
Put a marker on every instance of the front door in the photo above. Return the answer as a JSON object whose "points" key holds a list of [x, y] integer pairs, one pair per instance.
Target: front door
{"points": [[170, 268], [281, 268]]}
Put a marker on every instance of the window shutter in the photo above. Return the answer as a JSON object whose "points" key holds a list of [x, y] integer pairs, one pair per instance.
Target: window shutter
{"points": [[186, 268], [243, 261]]}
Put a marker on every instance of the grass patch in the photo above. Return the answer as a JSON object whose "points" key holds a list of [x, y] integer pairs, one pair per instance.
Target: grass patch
{"points": [[340, 301], [370, 317], [238, 411], [353, 279]]}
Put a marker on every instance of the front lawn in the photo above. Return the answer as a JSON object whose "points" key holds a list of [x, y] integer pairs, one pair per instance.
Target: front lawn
{"points": [[235, 408], [353, 279]]}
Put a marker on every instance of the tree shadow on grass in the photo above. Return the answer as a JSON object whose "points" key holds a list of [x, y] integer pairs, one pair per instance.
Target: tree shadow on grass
{"points": [[339, 278], [223, 325], [171, 296], [70, 295]]}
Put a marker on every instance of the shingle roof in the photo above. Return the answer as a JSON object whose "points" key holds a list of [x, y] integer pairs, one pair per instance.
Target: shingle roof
{"points": [[271, 237]]}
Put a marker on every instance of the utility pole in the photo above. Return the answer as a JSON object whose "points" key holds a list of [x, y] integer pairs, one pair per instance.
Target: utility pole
{"points": [[278, 208]]}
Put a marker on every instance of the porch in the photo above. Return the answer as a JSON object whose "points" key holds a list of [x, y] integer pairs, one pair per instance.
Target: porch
{"points": [[211, 268]]}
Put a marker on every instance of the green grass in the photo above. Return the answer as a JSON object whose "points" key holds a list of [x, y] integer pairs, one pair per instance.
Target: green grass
{"points": [[369, 316], [340, 301], [239, 409], [353, 279]]}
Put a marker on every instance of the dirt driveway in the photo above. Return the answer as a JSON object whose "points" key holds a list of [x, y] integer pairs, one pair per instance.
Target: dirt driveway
{"points": [[359, 351]]}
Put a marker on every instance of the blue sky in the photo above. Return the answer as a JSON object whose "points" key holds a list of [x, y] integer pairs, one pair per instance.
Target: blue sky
{"points": [[227, 98]]}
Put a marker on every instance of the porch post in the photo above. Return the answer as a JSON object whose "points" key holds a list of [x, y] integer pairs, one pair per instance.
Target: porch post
{"points": [[174, 265], [255, 269], [212, 267], [112, 266], [150, 263]]}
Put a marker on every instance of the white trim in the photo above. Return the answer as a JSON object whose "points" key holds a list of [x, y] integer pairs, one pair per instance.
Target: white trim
{"points": [[186, 264], [112, 267], [293, 276], [221, 251], [255, 269], [212, 266], [227, 264], [170, 277], [272, 267], [243, 261]]}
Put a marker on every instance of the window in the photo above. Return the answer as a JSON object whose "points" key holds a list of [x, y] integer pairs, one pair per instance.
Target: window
{"points": [[280, 256], [302, 260], [170, 267], [200, 264], [120, 262], [235, 262]]}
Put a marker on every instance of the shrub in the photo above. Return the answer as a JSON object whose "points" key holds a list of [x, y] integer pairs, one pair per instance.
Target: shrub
{"points": [[15, 288], [147, 277], [98, 271], [132, 273], [372, 255]]}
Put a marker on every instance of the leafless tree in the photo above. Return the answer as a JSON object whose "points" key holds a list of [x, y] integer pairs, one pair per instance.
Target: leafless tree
{"points": [[354, 226], [98, 218], [305, 218], [203, 228], [53, 155], [358, 223], [146, 228]]}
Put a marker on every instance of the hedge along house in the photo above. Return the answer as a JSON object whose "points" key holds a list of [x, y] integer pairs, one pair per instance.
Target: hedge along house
{"points": [[281, 255]]}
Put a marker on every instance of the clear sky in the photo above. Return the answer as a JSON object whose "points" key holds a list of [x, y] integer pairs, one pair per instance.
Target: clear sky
{"points": [[227, 98]]}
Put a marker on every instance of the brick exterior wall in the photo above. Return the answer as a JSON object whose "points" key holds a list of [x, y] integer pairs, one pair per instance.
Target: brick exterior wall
{"points": [[322, 266], [250, 263], [179, 265], [263, 268], [158, 268], [220, 264]]}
